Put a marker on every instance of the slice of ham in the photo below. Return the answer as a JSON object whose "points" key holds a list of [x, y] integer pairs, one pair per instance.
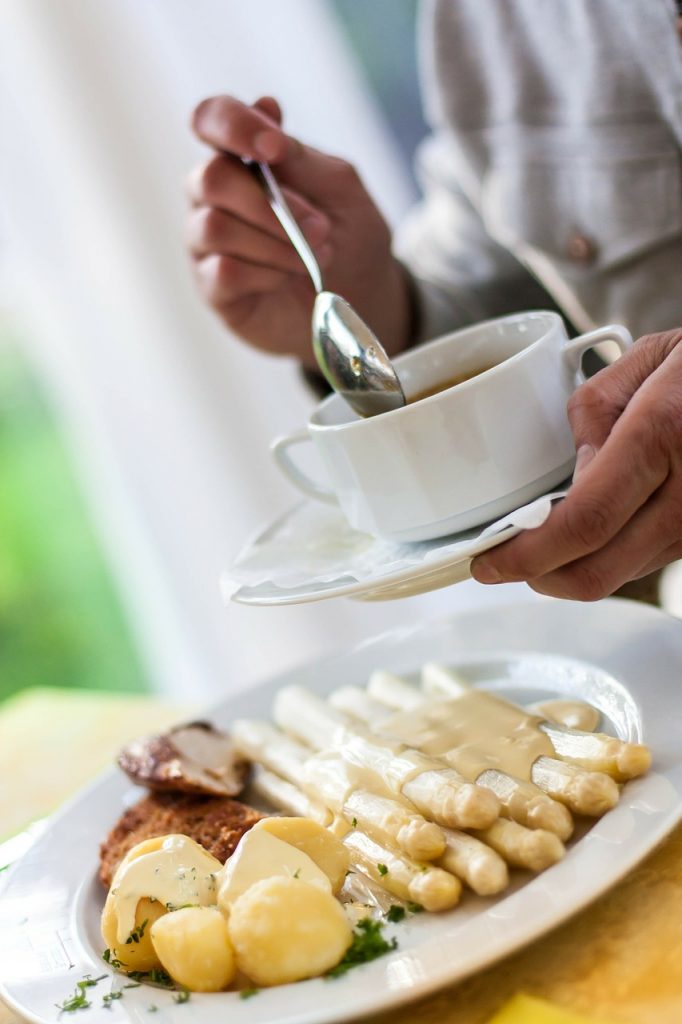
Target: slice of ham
{"points": [[192, 758]]}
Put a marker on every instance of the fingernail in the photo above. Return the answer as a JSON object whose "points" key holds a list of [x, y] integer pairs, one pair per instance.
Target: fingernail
{"points": [[484, 572], [585, 454], [267, 145]]}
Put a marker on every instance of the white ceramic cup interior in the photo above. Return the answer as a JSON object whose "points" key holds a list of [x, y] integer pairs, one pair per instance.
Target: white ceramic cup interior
{"points": [[467, 454]]}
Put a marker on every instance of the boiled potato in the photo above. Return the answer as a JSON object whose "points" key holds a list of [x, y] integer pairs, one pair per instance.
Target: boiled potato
{"points": [[194, 947], [146, 846], [330, 855], [134, 956], [283, 930]]}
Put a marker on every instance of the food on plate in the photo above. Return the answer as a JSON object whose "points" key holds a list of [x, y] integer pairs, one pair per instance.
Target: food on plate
{"points": [[477, 864], [194, 758], [135, 951], [310, 838], [385, 766], [328, 778], [262, 855], [217, 823], [431, 887], [392, 799], [194, 947], [155, 878], [284, 930], [269, 911]]}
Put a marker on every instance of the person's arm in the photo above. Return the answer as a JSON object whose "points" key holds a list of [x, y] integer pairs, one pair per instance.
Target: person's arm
{"points": [[622, 518]]}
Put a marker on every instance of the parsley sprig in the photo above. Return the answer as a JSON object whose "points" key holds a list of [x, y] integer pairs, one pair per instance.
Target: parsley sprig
{"points": [[79, 1000], [368, 944]]}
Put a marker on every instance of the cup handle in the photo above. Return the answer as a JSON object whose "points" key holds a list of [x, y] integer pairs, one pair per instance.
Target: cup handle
{"points": [[280, 452], [575, 348]]}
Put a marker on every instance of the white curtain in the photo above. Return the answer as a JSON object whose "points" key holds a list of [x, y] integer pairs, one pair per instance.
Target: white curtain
{"points": [[168, 417]]}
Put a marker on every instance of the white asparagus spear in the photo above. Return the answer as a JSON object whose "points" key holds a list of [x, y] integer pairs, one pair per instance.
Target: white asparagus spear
{"points": [[468, 858], [325, 780], [583, 792], [431, 887], [285, 796], [385, 766], [535, 849], [598, 752], [389, 689], [262, 743], [388, 821], [478, 865], [354, 701], [438, 680], [525, 802], [595, 752]]}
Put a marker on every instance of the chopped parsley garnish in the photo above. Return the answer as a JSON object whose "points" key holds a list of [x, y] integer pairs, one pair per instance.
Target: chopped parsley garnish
{"points": [[5, 867], [110, 997], [155, 977], [76, 1002], [415, 908], [354, 822], [368, 944], [382, 869], [111, 960], [137, 933], [247, 993], [79, 1001], [135, 984], [152, 1008], [182, 996], [297, 873], [395, 913]]}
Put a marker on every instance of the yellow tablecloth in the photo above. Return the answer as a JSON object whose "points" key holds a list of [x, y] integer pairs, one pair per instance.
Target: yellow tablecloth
{"points": [[619, 961]]}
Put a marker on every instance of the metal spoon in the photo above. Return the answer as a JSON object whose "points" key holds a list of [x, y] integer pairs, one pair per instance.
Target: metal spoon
{"points": [[348, 353]]}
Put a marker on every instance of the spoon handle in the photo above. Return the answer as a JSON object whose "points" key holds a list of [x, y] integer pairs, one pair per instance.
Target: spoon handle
{"points": [[264, 175]]}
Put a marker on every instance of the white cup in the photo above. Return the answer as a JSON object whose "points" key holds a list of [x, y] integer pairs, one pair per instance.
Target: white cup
{"points": [[465, 455]]}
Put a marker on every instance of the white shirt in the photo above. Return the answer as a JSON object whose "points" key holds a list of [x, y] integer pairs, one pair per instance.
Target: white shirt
{"points": [[554, 171]]}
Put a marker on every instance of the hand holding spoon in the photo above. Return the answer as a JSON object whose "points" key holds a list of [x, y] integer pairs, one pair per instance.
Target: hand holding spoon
{"points": [[348, 353]]}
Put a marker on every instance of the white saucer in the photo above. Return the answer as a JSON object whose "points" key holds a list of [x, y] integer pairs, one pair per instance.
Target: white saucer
{"points": [[311, 553]]}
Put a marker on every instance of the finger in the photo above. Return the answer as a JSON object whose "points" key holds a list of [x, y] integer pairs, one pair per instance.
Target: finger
{"points": [[246, 131], [631, 465], [269, 106], [224, 183], [224, 279], [596, 405], [667, 557], [229, 125], [210, 230], [642, 543]]}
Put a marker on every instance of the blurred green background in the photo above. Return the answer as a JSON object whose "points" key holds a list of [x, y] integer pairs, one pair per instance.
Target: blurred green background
{"points": [[61, 620], [61, 623]]}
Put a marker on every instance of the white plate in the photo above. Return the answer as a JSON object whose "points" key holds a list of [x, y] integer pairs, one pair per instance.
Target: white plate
{"points": [[311, 553], [623, 657]]}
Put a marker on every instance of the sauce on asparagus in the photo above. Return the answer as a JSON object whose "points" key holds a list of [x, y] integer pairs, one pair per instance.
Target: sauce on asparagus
{"points": [[474, 732]]}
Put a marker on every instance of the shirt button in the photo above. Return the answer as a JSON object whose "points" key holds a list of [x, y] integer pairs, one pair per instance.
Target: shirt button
{"points": [[581, 248]]}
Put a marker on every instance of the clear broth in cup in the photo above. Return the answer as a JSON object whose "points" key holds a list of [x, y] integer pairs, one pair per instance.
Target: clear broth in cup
{"points": [[443, 385]]}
